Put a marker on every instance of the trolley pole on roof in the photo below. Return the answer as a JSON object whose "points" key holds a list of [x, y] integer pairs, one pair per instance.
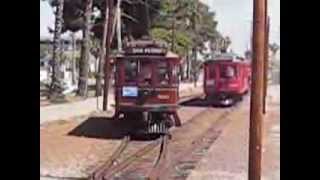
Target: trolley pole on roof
{"points": [[256, 104], [107, 60]]}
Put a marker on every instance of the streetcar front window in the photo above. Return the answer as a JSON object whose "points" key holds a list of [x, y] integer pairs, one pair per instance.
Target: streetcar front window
{"points": [[145, 73], [212, 72], [163, 73], [227, 72], [131, 69]]}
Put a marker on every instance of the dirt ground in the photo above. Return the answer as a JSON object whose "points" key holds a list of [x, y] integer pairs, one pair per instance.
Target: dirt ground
{"points": [[227, 158], [72, 148]]}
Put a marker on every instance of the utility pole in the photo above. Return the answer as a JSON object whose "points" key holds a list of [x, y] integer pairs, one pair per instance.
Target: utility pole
{"points": [[266, 65], [107, 60], [256, 104], [119, 40]]}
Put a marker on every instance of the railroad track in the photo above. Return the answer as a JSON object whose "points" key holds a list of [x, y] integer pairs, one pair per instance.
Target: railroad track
{"points": [[184, 148], [160, 159], [113, 166]]}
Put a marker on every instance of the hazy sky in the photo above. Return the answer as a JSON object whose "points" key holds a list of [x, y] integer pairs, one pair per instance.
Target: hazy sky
{"points": [[234, 19], [46, 18]]}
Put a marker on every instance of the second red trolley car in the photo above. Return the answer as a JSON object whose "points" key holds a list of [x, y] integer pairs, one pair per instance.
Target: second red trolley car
{"points": [[226, 79]]}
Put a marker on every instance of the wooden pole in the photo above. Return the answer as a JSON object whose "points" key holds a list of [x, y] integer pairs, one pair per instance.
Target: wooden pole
{"points": [[102, 52], [256, 104], [107, 60], [266, 66], [119, 40]]}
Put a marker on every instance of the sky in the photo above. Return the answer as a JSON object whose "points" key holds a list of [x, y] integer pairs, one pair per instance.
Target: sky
{"points": [[46, 18], [234, 20]]}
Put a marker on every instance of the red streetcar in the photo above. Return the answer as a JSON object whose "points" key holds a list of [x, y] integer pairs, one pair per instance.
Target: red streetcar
{"points": [[226, 79], [147, 86]]}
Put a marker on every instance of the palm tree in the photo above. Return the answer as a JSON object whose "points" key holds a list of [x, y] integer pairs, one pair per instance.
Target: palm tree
{"points": [[74, 66], [56, 82], [85, 51], [188, 12], [102, 53]]}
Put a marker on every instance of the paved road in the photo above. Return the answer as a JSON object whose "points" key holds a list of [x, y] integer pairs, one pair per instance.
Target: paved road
{"points": [[69, 110]]}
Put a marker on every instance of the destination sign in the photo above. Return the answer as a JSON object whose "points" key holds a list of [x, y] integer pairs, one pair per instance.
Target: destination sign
{"points": [[148, 50]]}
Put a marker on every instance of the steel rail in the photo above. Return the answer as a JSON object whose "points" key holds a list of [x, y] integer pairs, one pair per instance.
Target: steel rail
{"points": [[129, 160], [98, 174]]}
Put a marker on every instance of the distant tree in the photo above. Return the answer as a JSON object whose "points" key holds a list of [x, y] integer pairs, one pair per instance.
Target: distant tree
{"points": [[74, 60], [186, 25], [136, 16], [181, 39]]}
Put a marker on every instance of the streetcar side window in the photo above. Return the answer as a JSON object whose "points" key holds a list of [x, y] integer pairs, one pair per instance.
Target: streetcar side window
{"points": [[131, 69]]}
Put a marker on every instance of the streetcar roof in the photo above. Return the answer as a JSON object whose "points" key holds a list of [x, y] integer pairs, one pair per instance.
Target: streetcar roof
{"points": [[168, 54]]}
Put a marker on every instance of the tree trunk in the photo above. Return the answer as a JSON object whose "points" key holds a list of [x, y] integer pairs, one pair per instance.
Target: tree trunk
{"points": [[99, 78], [85, 50], [148, 22], [102, 54], [194, 65], [188, 65], [56, 82], [74, 66], [181, 72], [103, 46]]}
